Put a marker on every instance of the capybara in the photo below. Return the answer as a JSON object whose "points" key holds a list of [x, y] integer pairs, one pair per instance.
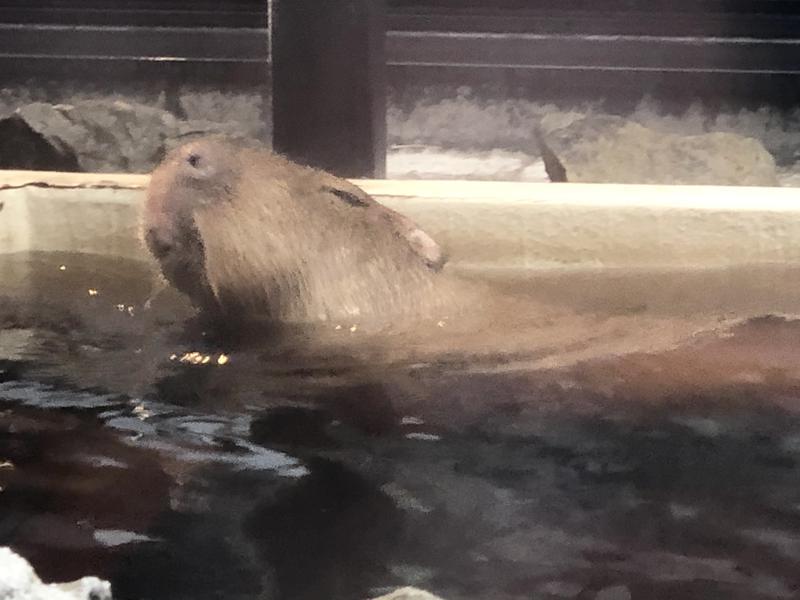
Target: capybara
{"points": [[246, 233]]}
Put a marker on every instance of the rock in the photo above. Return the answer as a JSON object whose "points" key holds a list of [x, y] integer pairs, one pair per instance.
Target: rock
{"points": [[617, 592], [608, 149], [18, 581], [22, 147], [118, 136], [463, 121], [106, 135], [247, 110], [406, 593], [429, 162]]}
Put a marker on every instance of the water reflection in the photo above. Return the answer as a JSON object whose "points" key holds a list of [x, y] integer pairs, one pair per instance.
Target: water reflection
{"points": [[662, 474]]}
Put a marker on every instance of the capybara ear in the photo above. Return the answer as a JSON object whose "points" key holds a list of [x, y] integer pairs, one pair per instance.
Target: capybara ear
{"points": [[348, 196], [427, 248], [203, 160], [423, 244]]}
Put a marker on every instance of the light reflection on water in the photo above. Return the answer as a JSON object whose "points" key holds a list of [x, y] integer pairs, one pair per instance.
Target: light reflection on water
{"points": [[672, 472]]}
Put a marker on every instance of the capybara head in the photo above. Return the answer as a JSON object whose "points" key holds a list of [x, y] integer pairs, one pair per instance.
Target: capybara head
{"points": [[241, 228], [200, 172]]}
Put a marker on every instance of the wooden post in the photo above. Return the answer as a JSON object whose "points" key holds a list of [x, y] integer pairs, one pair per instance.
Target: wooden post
{"points": [[328, 84]]}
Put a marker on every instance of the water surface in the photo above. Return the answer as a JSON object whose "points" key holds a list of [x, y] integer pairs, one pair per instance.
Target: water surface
{"points": [[647, 447]]}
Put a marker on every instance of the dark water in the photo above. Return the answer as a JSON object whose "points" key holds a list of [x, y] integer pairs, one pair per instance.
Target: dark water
{"points": [[664, 475]]}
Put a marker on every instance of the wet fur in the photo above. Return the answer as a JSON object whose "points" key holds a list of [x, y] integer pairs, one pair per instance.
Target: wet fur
{"points": [[247, 233]]}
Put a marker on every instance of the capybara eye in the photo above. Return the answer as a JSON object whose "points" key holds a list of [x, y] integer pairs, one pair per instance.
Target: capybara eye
{"points": [[193, 159]]}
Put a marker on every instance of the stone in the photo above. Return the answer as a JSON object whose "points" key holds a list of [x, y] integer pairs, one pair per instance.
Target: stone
{"points": [[22, 147], [100, 136], [18, 581], [430, 162], [118, 136], [609, 149], [248, 110]]}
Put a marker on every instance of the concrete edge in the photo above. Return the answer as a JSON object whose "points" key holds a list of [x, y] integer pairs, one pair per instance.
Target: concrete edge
{"points": [[481, 224], [708, 197]]}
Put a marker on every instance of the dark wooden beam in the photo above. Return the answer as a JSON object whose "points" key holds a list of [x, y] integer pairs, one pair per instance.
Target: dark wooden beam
{"points": [[744, 52], [329, 92]]}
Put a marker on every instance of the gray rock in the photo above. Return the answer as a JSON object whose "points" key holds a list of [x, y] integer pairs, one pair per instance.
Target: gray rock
{"points": [[22, 147], [246, 110], [464, 122], [607, 149], [430, 162], [112, 135], [119, 135]]}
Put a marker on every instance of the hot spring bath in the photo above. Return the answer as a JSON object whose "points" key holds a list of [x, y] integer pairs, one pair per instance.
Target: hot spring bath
{"points": [[642, 441]]}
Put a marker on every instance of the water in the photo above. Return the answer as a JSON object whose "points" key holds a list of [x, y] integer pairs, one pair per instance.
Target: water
{"points": [[648, 449]]}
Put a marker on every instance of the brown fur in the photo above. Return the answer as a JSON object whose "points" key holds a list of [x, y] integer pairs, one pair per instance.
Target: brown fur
{"points": [[245, 232]]}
